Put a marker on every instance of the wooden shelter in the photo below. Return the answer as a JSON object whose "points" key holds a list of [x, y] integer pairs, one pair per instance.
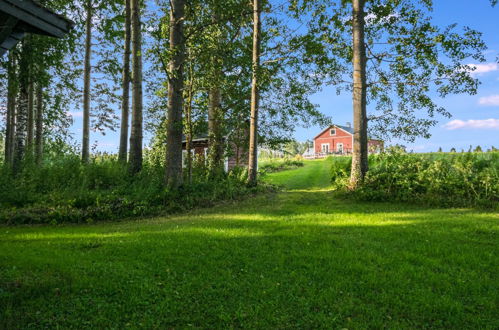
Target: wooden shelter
{"points": [[18, 17]]}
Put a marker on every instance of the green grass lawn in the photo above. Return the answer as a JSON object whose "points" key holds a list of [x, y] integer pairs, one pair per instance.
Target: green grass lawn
{"points": [[296, 259]]}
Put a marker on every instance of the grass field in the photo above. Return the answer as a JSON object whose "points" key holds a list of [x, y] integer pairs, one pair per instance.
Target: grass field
{"points": [[300, 258]]}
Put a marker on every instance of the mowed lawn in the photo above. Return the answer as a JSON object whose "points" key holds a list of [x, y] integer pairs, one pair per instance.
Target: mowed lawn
{"points": [[300, 258]]}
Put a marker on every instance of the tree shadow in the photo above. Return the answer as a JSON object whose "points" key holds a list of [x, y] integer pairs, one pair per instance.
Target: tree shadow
{"points": [[259, 267]]}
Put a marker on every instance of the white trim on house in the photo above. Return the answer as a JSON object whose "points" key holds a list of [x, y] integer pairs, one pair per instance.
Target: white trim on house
{"points": [[184, 157], [339, 147], [331, 131], [325, 145]]}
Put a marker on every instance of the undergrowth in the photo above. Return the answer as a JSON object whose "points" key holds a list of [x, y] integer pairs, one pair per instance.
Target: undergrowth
{"points": [[454, 179], [65, 190]]}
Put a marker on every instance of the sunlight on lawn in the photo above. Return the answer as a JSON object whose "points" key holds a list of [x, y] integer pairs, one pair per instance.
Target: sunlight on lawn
{"points": [[69, 236]]}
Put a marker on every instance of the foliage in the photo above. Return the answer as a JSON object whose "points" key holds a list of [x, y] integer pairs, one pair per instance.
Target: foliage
{"points": [[64, 190], [296, 259], [456, 180], [340, 168]]}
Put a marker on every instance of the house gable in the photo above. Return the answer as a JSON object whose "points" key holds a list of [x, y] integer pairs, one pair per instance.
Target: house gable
{"points": [[325, 133]]}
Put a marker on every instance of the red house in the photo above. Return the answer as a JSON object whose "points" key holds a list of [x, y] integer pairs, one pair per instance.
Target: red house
{"points": [[337, 139]]}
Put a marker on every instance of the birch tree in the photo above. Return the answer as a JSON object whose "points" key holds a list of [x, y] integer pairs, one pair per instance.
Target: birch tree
{"points": [[253, 143], [85, 145], [123, 148], [136, 134], [11, 108]]}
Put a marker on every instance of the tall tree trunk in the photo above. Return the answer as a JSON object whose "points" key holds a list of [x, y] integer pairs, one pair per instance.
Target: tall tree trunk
{"points": [[215, 115], [31, 117], [359, 157], [253, 148], [39, 124], [135, 160], [85, 145], [215, 138], [188, 114], [123, 149], [22, 108], [11, 109], [173, 175]]}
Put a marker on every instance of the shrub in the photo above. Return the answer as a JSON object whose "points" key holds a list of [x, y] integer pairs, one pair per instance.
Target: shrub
{"points": [[340, 169], [67, 191], [456, 179]]}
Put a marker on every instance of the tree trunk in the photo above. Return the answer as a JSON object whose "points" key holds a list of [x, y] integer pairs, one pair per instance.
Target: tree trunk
{"points": [[135, 160], [188, 135], [85, 145], [253, 149], [11, 109], [359, 157], [123, 149], [173, 175], [39, 125], [31, 117], [215, 143], [215, 115], [22, 108]]}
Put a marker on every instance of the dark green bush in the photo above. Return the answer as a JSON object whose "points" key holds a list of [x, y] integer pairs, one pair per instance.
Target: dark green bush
{"points": [[457, 180], [67, 191]]}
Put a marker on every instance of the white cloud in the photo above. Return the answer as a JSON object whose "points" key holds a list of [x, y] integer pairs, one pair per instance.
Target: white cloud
{"points": [[483, 68], [489, 100], [472, 123], [75, 114]]}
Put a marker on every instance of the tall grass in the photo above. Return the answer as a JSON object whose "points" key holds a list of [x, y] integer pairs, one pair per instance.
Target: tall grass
{"points": [[64, 190]]}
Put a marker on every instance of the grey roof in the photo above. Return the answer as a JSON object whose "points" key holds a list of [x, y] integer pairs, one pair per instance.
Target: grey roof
{"points": [[345, 128], [19, 17]]}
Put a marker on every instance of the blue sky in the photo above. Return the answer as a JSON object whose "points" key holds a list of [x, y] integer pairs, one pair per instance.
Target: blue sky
{"points": [[475, 118]]}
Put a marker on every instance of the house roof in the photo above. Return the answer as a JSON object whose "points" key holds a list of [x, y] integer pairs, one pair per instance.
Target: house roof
{"points": [[345, 128], [19, 17], [199, 137]]}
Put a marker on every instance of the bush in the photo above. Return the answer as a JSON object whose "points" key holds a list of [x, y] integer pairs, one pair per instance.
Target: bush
{"points": [[340, 169], [280, 164], [463, 179], [67, 191]]}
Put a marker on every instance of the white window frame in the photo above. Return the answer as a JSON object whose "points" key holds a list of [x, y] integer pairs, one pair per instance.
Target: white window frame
{"points": [[339, 147], [184, 156], [325, 145], [332, 131]]}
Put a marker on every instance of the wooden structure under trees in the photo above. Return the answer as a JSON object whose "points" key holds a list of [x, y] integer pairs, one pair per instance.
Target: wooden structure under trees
{"points": [[19, 17]]}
